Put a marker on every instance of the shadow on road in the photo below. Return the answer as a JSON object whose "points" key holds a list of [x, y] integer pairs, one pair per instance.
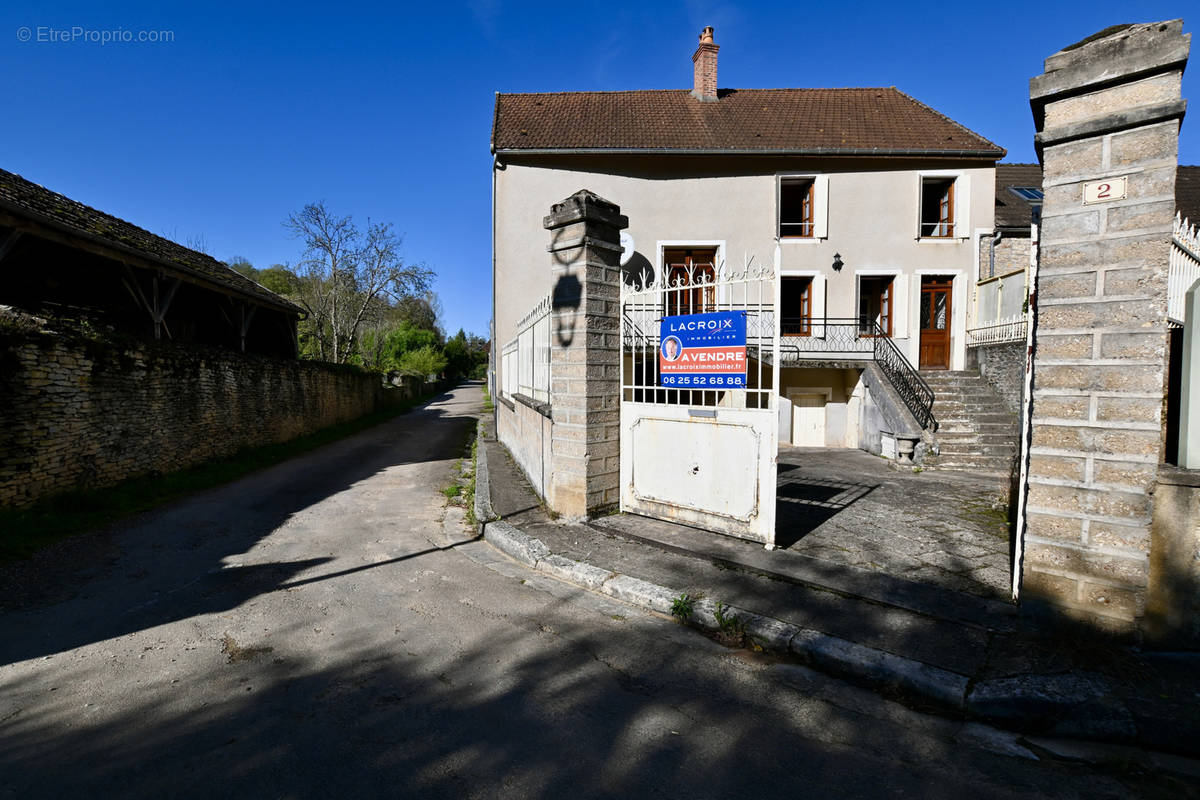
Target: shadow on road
{"points": [[173, 563]]}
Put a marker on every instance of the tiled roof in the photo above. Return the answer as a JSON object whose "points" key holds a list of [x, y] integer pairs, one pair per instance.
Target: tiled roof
{"points": [[28, 200], [1187, 193], [803, 121], [1012, 210]]}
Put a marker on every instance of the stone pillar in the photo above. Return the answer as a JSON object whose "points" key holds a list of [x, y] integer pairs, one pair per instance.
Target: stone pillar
{"points": [[1108, 113], [585, 353]]}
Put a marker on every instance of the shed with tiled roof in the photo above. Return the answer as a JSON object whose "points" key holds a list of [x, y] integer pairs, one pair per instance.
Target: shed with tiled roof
{"points": [[62, 257]]}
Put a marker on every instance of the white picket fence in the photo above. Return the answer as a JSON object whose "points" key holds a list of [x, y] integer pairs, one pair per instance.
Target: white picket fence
{"points": [[1009, 329], [525, 359], [1184, 267], [1000, 310]]}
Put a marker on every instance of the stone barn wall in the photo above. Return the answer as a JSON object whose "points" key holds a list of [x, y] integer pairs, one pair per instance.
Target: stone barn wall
{"points": [[77, 412]]}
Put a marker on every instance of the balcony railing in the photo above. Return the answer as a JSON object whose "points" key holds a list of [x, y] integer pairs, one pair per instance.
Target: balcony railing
{"points": [[850, 337]]}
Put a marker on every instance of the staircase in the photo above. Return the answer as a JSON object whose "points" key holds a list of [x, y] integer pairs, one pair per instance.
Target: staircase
{"points": [[976, 432]]}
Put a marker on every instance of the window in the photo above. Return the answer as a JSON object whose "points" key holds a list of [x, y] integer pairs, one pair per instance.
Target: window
{"points": [[937, 208], [690, 280], [1030, 193], [875, 306], [797, 197], [795, 300]]}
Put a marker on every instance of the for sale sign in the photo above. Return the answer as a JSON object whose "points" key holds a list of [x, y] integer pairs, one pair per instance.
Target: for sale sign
{"points": [[703, 350]]}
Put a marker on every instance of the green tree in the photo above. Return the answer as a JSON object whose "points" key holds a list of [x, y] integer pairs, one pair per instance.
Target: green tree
{"points": [[422, 362], [458, 357]]}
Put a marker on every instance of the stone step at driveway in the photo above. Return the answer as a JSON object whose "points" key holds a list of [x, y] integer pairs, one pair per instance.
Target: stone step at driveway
{"points": [[934, 626]]}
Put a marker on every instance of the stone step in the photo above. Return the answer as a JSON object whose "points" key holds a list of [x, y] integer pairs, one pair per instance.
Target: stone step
{"points": [[985, 418], [976, 434], [976, 450], [965, 391], [990, 447], [961, 411], [959, 424], [975, 403], [967, 458]]}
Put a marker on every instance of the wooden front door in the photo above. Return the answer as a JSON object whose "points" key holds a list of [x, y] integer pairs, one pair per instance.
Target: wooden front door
{"points": [[935, 322]]}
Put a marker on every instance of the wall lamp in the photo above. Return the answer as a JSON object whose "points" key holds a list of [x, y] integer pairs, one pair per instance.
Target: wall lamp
{"points": [[837, 262]]}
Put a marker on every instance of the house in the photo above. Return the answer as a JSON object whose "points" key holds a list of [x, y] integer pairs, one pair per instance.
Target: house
{"points": [[874, 207], [63, 258]]}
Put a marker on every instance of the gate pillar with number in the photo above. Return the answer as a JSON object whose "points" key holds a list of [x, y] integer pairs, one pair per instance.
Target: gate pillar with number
{"points": [[1108, 113], [585, 353]]}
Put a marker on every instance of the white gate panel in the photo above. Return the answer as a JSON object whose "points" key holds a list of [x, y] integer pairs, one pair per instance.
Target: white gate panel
{"points": [[702, 457], [717, 473]]}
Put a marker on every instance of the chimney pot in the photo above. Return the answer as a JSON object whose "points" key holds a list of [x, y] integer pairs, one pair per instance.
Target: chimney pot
{"points": [[704, 68]]}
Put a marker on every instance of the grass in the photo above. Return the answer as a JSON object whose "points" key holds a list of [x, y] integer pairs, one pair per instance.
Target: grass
{"points": [[470, 487], [463, 485], [488, 406], [52, 519], [681, 607]]}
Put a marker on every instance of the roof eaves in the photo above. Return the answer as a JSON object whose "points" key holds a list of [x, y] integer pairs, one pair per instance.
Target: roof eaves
{"points": [[117, 247], [810, 151]]}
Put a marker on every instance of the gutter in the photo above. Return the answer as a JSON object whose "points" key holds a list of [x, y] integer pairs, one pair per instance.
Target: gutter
{"points": [[818, 151]]}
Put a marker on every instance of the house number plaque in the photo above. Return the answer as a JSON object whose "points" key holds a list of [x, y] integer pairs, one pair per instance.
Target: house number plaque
{"points": [[1105, 190]]}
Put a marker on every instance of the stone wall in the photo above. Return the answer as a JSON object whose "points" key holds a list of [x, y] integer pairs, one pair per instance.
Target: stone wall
{"points": [[1003, 367], [83, 413], [1108, 112], [1011, 254], [1173, 597]]}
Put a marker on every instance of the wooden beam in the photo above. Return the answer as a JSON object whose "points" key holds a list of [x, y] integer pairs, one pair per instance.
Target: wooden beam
{"points": [[7, 245], [127, 258], [246, 320]]}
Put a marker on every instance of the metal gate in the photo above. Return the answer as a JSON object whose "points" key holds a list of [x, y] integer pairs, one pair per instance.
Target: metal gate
{"points": [[703, 457]]}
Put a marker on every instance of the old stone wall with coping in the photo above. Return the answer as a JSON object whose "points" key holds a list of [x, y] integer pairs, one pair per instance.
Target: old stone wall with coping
{"points": [[82, 413]]}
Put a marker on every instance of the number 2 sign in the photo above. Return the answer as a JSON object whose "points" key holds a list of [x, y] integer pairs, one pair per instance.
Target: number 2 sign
{"points": [[1105, 191]]}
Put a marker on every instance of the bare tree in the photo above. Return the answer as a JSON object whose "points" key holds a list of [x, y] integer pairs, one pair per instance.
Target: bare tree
{"points": [[348, 277]]}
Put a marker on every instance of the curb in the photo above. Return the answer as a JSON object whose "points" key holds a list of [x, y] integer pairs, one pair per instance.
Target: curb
{"points": [[1072, 705], [876, 668]]}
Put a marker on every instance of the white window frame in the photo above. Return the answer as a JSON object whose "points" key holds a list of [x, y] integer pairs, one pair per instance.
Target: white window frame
{"points": [[900, 292], [718, 245], [820, 206], [818, 292], [962, 210]]}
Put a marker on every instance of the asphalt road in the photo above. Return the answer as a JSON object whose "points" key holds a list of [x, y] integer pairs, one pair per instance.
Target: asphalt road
{"points": [[325, 628]]}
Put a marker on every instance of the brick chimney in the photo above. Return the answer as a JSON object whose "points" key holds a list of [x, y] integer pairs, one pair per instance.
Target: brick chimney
{"points": [[704, 66]]}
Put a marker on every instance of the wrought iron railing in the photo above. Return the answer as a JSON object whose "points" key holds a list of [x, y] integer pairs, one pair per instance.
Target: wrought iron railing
{"points": [[837, 337], [860, 336]]}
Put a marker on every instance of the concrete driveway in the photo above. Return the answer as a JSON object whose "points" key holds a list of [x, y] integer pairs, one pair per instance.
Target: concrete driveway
{"points": [[931, 526], [324, 628]]}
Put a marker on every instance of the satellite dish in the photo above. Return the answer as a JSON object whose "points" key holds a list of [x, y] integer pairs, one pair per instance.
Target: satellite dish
{"points": [[627, 247]]}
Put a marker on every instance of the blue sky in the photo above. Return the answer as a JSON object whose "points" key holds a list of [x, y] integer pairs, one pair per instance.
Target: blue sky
{"points": [[384, 110]]}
